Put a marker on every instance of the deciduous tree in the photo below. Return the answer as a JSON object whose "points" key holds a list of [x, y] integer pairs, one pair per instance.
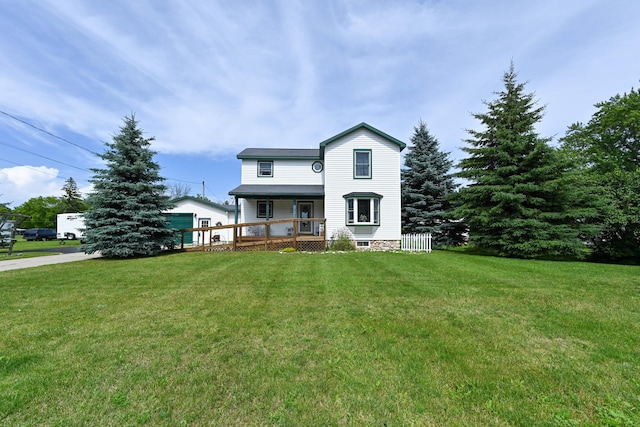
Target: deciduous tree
{"points": [[41, 210], [4, 206], [178, 190], [607, 151]]}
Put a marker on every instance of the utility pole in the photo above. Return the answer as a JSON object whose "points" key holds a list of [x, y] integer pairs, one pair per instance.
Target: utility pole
{"points": [[202, 190]]}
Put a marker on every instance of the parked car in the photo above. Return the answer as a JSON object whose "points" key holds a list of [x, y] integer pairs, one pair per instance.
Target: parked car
{"points": [[39, 234]]}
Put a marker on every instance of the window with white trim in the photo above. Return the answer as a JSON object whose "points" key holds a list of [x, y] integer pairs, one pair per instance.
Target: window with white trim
{"points": [[363, 210], [265, 169], [362, 164]]}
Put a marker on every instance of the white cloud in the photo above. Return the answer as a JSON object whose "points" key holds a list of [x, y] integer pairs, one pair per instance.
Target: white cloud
{"points": [[210, 78], [22, 183]]}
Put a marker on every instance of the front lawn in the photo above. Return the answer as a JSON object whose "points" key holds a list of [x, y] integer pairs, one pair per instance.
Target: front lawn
{"points": [[23, 249], [320, 339]]}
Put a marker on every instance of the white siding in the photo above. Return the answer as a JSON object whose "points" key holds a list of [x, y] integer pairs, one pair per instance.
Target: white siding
{"points": [[201, 211], [339, 180], [285, 172]]}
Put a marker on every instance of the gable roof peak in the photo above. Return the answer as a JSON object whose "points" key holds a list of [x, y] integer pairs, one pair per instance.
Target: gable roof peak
{"points": [[368, 127]]}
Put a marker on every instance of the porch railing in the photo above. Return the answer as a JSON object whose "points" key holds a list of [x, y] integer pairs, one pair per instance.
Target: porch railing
{"points": [[299, 233]]}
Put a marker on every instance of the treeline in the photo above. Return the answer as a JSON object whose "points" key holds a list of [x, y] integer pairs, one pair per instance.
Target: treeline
{"points": [[41, 212], [521, 196]]}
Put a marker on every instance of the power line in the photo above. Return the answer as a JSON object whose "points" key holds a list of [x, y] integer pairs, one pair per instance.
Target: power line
{"points": [[29, 167], [68, 142], [214, 195], [66, 164], [49, 133], [44, 157], [39, 170], [181, 180]]}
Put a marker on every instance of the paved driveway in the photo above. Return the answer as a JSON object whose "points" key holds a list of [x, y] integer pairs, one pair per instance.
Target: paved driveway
{"points": [[16, 262]]}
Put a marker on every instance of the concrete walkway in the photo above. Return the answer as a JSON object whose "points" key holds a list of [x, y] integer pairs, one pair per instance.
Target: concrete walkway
{"points": [[16, 262]]}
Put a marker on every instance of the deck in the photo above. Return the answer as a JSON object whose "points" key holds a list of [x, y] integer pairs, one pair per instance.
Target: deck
{"points": [[272, 235]]}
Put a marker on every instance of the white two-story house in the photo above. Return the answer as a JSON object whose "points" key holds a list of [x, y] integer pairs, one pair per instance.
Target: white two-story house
{"points": [[352, 180]]}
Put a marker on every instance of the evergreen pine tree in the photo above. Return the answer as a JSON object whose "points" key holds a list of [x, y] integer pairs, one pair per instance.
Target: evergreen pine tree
{"points": [[519, 201], [71, 200], [426, 188], [125, 219]]}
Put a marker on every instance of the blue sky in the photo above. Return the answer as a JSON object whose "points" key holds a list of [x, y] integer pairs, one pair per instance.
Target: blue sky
{"points": [[210, 78]]}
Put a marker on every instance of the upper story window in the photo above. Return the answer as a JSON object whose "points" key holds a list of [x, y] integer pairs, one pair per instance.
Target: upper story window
{"points": [[265, 168], [362, 163]]}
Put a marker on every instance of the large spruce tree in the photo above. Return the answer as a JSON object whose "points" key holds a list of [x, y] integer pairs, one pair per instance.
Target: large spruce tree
{"points": [[519, 201], [427, 184], [125, 219]]}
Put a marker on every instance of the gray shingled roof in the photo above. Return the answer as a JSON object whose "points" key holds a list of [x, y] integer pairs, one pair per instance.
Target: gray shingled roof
{"points": [[277, 191], [363, 125], [227, 208], [279, 153]]}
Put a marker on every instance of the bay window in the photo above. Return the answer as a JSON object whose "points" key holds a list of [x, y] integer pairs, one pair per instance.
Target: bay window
{"points": [[362, 208]]}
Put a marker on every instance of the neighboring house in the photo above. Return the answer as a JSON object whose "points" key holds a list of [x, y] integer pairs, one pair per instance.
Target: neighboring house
{"points": [[352, 180], [192, 212]]}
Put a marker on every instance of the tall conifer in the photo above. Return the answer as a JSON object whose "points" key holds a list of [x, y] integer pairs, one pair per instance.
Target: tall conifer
{"points": [[125, 219], [71, 199], [427, 185], [518, 202]]}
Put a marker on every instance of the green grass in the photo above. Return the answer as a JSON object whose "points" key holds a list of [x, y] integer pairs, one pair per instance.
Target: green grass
{"points": [[320, 339], [22, 245]]}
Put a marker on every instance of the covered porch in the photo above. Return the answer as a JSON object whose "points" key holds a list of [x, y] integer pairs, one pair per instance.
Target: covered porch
{"points": [[281, 202]]}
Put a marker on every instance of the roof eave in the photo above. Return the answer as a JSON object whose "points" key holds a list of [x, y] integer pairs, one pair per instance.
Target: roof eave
{"points": [[227, 208], [370, 128]]}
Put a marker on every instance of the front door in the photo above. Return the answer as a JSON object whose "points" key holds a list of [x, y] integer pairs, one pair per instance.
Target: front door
{"points": [[305, 210], [203, 222]]}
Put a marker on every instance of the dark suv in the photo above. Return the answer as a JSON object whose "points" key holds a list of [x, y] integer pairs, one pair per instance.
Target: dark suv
{"points": [[40, 234]]}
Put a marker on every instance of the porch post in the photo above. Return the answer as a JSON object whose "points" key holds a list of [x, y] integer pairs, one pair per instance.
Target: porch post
{"points": [[236, 213], [267, 218], [267, 228]]}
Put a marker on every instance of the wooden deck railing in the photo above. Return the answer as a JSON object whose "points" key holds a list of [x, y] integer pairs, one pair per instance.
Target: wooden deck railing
{"points": [[299, 233]]}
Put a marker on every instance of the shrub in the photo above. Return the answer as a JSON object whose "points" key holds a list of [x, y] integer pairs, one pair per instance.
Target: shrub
{"points": [[288, 250], [342, 240]]}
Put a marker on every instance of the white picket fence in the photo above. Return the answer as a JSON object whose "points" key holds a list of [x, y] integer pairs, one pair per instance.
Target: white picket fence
{"points": [[416, 242]]}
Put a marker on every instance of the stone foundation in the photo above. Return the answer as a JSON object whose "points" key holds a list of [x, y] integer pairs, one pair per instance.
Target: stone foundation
{"points": [[381, 245]]}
